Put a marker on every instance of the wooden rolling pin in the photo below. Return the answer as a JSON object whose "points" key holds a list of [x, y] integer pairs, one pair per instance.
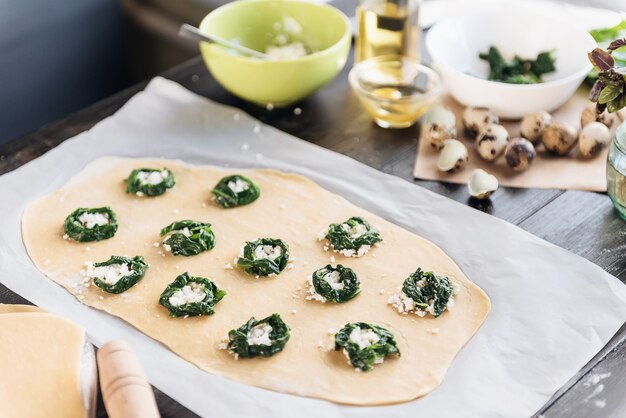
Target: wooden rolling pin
{"points": [[125, 388]]}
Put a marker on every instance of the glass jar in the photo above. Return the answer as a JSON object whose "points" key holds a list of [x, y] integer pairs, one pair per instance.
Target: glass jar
{"points": [[387, 27], [616, 171]]}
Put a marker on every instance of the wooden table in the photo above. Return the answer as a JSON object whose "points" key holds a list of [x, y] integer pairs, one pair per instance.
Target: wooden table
{"points": [[581, 222]]}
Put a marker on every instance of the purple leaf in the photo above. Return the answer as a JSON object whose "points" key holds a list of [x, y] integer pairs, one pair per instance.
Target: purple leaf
{"points": [[618, 43], [594, 93], [601, 60]]}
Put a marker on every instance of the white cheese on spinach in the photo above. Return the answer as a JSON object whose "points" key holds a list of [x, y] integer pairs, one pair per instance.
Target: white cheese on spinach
{"points": [[110, 274], [90, 220], [191, 293], [334, 280], [267, 252], [260, 334], [152, 178], [363, 337], [238, 185]]}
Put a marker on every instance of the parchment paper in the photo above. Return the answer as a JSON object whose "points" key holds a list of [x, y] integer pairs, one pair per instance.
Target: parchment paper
{"points": [[551, 310], [546, 172]]}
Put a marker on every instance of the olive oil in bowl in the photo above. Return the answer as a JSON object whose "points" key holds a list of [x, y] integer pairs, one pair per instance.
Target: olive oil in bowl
{"points": [[396, 91]]}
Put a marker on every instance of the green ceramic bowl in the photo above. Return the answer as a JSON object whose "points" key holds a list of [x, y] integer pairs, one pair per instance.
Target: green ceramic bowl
{"points": [[256, 24]]}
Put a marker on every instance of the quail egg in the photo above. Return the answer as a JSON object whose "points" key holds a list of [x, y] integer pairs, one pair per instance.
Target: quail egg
{"points": [[532, 125], [476, 119], [491, 141], [481, 184], [519, 154], [453, 156], [439, 124], [590, 114], [593, 137], [559, 139]]}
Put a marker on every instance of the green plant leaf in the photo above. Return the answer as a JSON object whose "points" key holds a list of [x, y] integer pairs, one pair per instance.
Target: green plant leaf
{"points": [[609, 34], [609, 93]]}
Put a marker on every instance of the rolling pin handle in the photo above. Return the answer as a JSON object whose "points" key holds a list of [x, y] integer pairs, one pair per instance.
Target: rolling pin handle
{"points": [[125, 388]]}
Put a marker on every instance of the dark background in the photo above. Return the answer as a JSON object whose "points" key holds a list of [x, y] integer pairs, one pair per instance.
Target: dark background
{"points": [[59, 56]]}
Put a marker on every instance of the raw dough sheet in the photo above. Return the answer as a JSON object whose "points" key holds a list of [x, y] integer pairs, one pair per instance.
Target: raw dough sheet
{"points": [[305, 209], [546, 172], [510, 368]]}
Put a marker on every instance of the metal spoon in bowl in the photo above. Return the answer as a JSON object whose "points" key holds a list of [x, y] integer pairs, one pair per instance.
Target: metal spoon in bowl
{"points": [[193, 33]]}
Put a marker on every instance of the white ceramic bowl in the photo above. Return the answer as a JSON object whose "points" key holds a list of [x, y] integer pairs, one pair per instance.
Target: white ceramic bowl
{"points": [[455, 42]]}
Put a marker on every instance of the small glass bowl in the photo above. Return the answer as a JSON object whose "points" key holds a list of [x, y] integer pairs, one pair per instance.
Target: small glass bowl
{"points": [[396, 91]]}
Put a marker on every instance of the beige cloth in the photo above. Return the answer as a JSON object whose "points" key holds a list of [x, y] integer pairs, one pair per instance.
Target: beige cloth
{"points": [[546, 172]]}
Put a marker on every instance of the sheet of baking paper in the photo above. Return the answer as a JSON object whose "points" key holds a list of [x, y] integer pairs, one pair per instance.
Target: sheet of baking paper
{"points": [[546, 172], [552, 310]]}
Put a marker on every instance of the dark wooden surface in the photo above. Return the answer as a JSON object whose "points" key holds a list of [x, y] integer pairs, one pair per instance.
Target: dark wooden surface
{"points": [[581, 222]]}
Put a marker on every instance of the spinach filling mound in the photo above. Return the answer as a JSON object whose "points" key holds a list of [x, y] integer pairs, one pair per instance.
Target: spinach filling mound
{"points": [[188, 238], [424, 292], [264, 337], [149, 181], [191, 296], [336, 284], [352, 238], [264, 257], [117, 274], [365, 344], [235, 190], [90, 224]]}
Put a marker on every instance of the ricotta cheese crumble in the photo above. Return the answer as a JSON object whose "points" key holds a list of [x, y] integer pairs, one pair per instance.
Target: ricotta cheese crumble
{"points": [[355, 231], [90, 220], [334, 280], [152, 178], [238, 186], [363, 337], [190, 293], [109, 274], [260, 335], [267, 252], [405, 305]]}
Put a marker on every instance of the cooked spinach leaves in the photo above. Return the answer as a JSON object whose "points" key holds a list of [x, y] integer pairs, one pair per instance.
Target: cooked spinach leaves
{"points": [[264, 337], [366, 344], [336, 284], [518, 70], [149, 181], [90, 224], [188, 237], [117, 274], [191, 296], [264, 257], [352, 238], [236, 190], [429, 292]]}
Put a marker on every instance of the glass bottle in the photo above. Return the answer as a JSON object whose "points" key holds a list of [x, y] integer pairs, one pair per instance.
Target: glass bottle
{"points": [[616, 171], [387, 27]]}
